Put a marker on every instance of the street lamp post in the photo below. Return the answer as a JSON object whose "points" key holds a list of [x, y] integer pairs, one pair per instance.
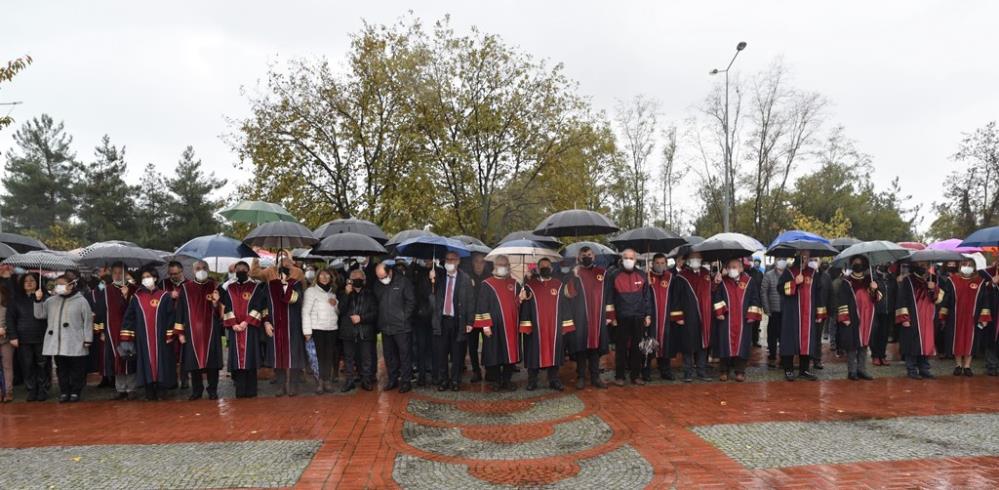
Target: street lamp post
{"points": [[729, 178]]}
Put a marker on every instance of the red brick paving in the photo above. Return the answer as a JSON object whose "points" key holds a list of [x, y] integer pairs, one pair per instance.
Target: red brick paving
{"points": [[362, 432]]}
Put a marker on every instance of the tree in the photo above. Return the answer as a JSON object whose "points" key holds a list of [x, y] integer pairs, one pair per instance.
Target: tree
{"points": [[670, 175], [151, 210], [40, 175], [972, 196], [105, 198], [190, 208], [7, 74], [637, 122]]}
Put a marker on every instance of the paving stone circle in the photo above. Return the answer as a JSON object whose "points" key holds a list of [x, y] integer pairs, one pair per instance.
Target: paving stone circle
{"points": [[541, 411]]}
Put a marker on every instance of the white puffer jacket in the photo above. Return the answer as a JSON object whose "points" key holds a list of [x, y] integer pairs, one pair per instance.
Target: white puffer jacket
{"points": [[317, 312]]}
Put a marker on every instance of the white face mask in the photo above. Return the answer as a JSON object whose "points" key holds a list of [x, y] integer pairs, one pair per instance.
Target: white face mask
{"points": [[200, 275], [502, 271], [967, 270], [694, 263], [781, 264], [148, 282], [628, 264], [310, 275], [565, 270], [60, 289], [670, 262], [385, 280], [450, 267], [734, 273], [813, 264]]}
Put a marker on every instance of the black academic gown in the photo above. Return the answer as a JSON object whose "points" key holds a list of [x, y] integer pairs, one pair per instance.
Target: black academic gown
{"points": [[737, 301], [244, 302], [545, 318], [667, 309], [201, 324], [695, 292], [589, 293], [802, 311], [854, 302], [150, 319], [498, 307]]}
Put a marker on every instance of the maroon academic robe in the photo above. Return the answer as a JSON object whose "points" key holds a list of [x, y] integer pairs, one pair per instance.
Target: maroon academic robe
{"points": [[666, 311], [243, 302], [737, 301], [592, 310], [109, 316], [695, 289], [286, 349], [498, 307], [916, 305], [199, 321], [855, 304], [544, 319], [966, 303], [149, 322], [802, 312]]}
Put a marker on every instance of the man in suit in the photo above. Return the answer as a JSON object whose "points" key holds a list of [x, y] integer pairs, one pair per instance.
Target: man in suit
{"points": [[453, 304]]}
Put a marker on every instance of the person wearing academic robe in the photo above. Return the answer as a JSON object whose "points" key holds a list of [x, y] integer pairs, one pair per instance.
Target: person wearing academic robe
{"points": [[631, 316], [149, 329], [545, 319], [199, 331], [110, 304], [453, 301], [171, 284], [856, 300], [915, 312], [884, 328], [667, 317], [990, 334], [479, 270], [283, 326], [497, 315], [965, 310], [243, 309], [695, 291], [737, 311], [803, 312], [589, 293]]}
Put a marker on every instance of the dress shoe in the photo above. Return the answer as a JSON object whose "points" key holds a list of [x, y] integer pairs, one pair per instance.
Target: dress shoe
{"points": [[580, 383], [967, 372], [405, 388], [618, 382], [31, 397], [789, 375], [390, 386], [63, 398], [510, 386], [807, 375], [213, 396], [638, 381], [818, 365], [348, 386], [121, 395], [667, 375], [647, 377], [74, 398], [852, 376], [927, 375], [704, 377], [556, 385], [532, 385], [367, 386], [476, 376], [958, 371], [688, 378], [864, 376], [914, 376], [443, 387], [193, 396]]}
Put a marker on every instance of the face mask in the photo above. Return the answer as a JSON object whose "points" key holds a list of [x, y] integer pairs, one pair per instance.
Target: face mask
{"points": [[545, 272], [565, 269], [284, 271], [858, 267], [242, 276], [694, 263], [310, 275], [60, 289], [101, 286], [586, 261], [200, 275], [734, 273], [385, 280], [148, 282], [628, 264], [813, 264], [502, 271], [658, 268], [781, 264], [670, 262], [357, 283], [450, 267], [967, 270], [917, 270]]}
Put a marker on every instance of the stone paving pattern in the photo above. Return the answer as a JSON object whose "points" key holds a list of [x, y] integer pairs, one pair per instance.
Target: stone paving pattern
{"points": [[540, 411], [192, 465]]}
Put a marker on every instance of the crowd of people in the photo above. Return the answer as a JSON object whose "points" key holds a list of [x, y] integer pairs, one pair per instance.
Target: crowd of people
{"points": [[437, 322]]}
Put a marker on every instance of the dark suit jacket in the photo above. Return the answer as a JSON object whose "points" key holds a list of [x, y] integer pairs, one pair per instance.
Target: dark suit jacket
{"points": [[464, 303]]}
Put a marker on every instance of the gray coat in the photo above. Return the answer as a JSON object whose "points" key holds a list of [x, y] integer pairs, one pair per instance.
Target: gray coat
{"points": [[70, 325], [769, 295]]}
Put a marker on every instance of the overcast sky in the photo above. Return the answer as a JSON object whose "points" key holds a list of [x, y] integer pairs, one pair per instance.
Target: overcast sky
{"points": [[905, 78]]}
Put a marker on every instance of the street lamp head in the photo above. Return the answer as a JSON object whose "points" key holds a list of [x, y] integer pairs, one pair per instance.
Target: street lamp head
{"points": [[713, 72], [740, 46]]}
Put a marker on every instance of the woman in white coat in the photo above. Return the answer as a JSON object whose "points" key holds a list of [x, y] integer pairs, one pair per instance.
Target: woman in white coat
{"points": [[319, 322]]}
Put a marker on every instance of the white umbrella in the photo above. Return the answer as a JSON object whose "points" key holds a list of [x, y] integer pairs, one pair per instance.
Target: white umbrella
{"points": [[522, 253]]}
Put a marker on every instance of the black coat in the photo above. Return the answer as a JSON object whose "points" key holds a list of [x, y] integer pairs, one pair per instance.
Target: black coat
{"points": [[464, 303], [364, 304], [21, 322], [396, 303]]}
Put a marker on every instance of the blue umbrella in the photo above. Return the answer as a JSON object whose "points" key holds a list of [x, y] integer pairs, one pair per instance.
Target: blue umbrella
{"points": [[213, 247], [310, 350], [431, 247], [986, 237], [797, 236]]}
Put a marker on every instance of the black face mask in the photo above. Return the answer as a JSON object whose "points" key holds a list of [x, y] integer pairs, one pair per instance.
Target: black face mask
{"points": [[357, 283], [858, 267], [284, 271], [917, 270], [586, 261], [545, 272], [242, 276]]}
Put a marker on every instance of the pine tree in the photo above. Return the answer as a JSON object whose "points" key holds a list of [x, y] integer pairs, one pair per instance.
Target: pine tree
{"points": [[191, 210], [106, 210]]}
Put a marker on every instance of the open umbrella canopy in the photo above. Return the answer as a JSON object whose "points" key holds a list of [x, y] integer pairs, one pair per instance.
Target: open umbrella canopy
{"points": [[111, 253], [545, 241], [648, 239], [281, 234], [522, 255], [406, 235], [256, 212], [211, 246], [954, 244], [431, 247], [6, 251], [21, 243], [724, 246], [575, 222], [985, 237], [912, 245], [843, 243], [351, 225], [877, 252], [932, 255], [468, 240], [794, 242], [348, 244], [48, 260], [571, 251], [794, 236]]}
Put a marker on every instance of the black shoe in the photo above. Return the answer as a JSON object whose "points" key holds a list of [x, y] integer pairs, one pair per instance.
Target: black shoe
{"points": [[647, 377], [63, 398], [688, 377], [580, 383], [476, 376], [442, 387], [455, 387], [667, 375], [194, 396], [121, 396], [74, 398], [967, 372], [864, 376], [927, 375], [914, 375], [597, 383], [367, 386], [531, 385], [789, 375], [807, 375], [421, 381], [213, 396], [390, 386], [510, 386], [852, 377], [958, 371], [184, 385], [347, 386], [556, 385], [31, 397], [405, 388], [771, 364], [818, 365], [704, 377], [41, 396]]}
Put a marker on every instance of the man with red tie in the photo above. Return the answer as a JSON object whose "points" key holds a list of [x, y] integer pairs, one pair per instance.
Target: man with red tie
{"points": [[453, 302]]}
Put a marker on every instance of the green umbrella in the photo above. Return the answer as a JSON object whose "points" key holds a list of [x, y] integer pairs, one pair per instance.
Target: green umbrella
{"points": [[256, 212]]}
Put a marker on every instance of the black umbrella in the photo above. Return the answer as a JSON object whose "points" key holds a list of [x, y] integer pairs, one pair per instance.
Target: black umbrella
{"points": [[348, 244], [6, 251], [684, 250], [111, 253], [351, 225], [544, 241], [21, 243], [725, 246], [406, 235], [794, 248], [281, 234], [576, 222], [468, 240], [932, 255], [843, 243], [647, 240]]}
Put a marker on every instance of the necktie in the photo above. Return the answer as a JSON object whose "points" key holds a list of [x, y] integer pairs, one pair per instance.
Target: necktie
{"points": [[449, 298]]}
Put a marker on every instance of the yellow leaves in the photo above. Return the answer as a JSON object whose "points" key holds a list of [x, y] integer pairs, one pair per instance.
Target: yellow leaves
{"points": [[838, 226]]}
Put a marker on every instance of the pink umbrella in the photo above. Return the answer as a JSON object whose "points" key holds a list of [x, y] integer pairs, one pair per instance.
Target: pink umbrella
{"points": [[953, 245], [912, 245]]}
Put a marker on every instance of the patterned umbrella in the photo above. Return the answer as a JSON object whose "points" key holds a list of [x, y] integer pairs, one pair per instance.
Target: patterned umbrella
{"points": [[310, 350], [111, 253], [43, 260]]}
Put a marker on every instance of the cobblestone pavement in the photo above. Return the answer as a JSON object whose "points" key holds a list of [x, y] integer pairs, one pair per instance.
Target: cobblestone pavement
{"points": [[193, 465], [892, 432]]}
